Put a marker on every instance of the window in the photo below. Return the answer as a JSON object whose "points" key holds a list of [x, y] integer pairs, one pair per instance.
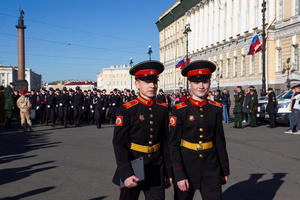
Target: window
{"points": [[177, 27], [124, 82], [296, 57], [221, 69], [121, 75], [243, 70], [252, 64], [278, 59], [228, 68], [235, 67], [117, 82]]}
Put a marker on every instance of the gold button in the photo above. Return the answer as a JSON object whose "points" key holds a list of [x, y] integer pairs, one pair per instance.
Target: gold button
{"points": [[150, 108], [201, 136], [200, 142], [201, 129], [201, 115], [201, 109], [151, 136], [151, 115], [149, 155], [200, 155], [150, 142], [151, 129], [151, 122]]}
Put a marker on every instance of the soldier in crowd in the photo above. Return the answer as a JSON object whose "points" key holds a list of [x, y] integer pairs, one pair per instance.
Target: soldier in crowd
{"points": [[133, 94], [114, 105], [197, 141], [2, 104], [78, 102], [161, 96], [33, 101], [50, 104], [63, 106], [239, 100], [93, 102], [56, 109], [16, 109], [253, 107], [9, 104], [141, 130], [104, 106], [127, 96], [98, 108], [86, 106], [272, 108], [71, 106], [41, 106], [24, 105]]}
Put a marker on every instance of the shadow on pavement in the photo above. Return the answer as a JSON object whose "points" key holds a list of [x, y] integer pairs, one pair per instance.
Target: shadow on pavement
{"points": [[99, 198], [14, 174], [28, 194], [253, 189]]}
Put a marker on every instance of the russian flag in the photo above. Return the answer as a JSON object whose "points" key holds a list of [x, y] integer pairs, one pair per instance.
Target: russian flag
{"points": [[255, 41], [261, 46], [182, 63]]}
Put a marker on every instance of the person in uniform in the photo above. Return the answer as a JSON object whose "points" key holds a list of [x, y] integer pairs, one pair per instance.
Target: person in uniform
{"points": [[141, 130], [272, 108], [93, 102], [98, 109], [197, 141], [78, 102], [71, 106], [85, 107], [16, 109], [50, 104], [252, 107], [114, 102], [238, 108], [104, 106], [56, 109], [24, 105], [161, 96], [9, 104], [41, 106], [63, 107], [32, 99]]}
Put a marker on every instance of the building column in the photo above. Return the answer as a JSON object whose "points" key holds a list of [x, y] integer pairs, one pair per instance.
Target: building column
{"points": [[236, 18], [192, 33], [196, 42], [228, 19], [251, 16], [222, 20], [243, 17], [216, 29], [210, 23], [201, 27], [205, 29]]}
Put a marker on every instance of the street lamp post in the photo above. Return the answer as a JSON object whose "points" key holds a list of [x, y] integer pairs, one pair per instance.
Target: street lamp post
{"points": [[131, 64], [150, 51], [263, 89], [287, 68], [186, 33]]}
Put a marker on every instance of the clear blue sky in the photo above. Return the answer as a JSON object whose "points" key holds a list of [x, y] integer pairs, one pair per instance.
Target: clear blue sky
{"points": [[74, 39]]}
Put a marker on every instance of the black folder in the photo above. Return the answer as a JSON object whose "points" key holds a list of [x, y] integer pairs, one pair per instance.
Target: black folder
{"points": [[138, 169]]}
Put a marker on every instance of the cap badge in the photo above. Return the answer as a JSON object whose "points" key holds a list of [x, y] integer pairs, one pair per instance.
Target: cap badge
{"points": [[152, 72], [200, 72]]}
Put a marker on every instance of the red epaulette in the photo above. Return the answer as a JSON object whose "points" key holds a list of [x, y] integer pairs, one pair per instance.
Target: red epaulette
{"points": [[180, 105], [130, 104], [215, 103], [161, 103]]}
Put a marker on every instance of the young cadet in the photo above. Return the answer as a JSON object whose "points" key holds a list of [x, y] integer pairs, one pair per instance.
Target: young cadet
{"points": [[200, 161], [141, 130]]}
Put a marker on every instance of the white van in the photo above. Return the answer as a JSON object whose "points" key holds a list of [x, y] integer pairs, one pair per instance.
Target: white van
{"points": [[283, 108]]}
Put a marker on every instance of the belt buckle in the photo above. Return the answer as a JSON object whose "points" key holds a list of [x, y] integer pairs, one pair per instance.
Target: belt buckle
{"points": [[151, 149], [199, 147]]}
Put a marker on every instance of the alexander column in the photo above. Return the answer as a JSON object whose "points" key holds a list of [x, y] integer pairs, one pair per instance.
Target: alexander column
{"points": [[21, 83]]}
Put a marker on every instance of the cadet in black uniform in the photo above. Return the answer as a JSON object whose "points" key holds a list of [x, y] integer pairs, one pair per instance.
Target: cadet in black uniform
{"points": [[63, 107], [32, 98], [50, 106], [197, 142], [41, 106], [141, 130], [85, 106], [71, 106], [93, 102], [78, 102], [104, 106], [161, 97], [272, 108], [57, 100], [98, 108], [115, 103]]}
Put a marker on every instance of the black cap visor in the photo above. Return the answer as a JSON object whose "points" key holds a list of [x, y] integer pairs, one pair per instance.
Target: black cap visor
{"points": [[150, 78], [199, 78]]}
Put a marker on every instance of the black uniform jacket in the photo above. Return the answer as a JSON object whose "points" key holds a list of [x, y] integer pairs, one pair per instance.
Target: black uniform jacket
{"points": [[271, 107], [142, 122], [191, 164]]}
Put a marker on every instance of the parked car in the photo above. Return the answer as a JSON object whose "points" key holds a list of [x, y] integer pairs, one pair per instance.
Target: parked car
{"points": [[283, 108]]}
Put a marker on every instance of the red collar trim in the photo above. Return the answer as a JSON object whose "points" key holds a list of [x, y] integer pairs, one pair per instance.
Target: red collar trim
{"points": [[145, 101], [198, 103]]}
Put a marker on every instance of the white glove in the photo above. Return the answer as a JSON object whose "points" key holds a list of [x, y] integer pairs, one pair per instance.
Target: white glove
{"points": [[82, 107], [48, 106], [92, 111], [72, 106], [56, 106], [60, 104], [91, 106], [37, 107], [103, 108], [113, 104]]}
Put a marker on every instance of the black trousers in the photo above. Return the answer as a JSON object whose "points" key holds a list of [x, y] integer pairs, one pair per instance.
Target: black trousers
{"points": [[42, 113], [272, 120], [152, 193], [50, 114], [77, 113], [113, 113], [210, 189], [63, 113], [98, 117], [103, 115]]}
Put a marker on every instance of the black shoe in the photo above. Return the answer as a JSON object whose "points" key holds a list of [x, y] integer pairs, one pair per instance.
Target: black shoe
{"points": [[66, 126], [234, 127], [271, 126], [52, 125]]}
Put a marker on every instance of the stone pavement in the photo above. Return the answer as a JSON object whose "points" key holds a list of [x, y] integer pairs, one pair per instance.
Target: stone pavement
{"points": [[78, 163]]}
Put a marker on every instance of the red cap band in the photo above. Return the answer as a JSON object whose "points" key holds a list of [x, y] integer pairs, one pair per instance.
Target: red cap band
{"points": [[198, 72], [147, 72]]}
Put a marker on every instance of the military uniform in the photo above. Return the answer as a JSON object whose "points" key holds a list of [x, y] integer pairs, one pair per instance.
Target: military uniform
{"points": [[141, 130], [104, 107], [272, 108], [41, 107], [239, 100], [86, 107], [114, 106], [78, 102], [9, 104], [98, 108], [197, 141], [253, 104], [50, 103], [24, 105], [63, 107]]}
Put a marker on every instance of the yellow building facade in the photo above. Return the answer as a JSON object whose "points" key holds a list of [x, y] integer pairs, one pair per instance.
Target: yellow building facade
{"points": [[221, 31]]}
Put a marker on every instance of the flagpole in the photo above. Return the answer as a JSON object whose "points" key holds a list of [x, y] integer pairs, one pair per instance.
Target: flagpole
{"points": [[263, 89], [186, 32]]}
